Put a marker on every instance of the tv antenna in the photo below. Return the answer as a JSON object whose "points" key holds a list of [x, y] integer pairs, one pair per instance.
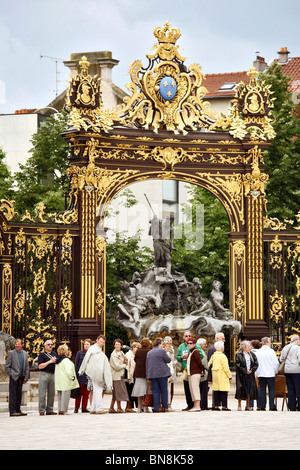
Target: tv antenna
{"points": [[56, 60]]}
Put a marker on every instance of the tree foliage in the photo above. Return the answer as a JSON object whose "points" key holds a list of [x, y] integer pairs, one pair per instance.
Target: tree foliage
{"points": [[125, 256], [42, 178], [6, 181], [211, 261], [282, 159]]}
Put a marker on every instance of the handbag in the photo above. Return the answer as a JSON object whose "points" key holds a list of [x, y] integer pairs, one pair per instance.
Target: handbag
{"points": [[75, 392], [184, 375], [148, 397], [282, 364]]}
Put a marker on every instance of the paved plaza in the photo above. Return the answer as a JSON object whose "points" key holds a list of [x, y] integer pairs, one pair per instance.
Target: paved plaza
{"points": [[173, 431]]}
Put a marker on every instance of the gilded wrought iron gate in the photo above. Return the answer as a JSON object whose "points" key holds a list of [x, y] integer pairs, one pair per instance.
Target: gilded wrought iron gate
{"points": [[54, 275], [282, 284], [38, 282]]}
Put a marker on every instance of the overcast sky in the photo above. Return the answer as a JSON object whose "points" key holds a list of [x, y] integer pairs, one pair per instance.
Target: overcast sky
{"points": [[220, 35]]}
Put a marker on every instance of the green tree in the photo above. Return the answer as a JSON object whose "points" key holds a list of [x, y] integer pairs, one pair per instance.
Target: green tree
{"points": [[124, 258], [282, 159], [42, 178], [211, 261], [6, 182]]}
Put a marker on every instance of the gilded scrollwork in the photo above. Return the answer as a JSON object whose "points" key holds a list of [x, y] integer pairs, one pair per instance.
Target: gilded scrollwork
{"points": [[7, 207], [239, 251], [255, 182], [20, 242], [39, 283], [7, 292], [278, 306], [167, 95], [239, 303], [100, 300], [84, 102], [95, 178], [232, 188], [66, 303], [66, 242], [250, 112], [100, 248], [38, 332], [19, 310]]}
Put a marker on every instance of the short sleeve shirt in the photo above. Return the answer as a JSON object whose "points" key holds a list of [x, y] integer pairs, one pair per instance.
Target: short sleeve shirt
{"points": [[44, 357]]}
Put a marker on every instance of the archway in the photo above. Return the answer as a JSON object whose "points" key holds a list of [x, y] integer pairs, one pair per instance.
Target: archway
{"points": [[166, 130]]}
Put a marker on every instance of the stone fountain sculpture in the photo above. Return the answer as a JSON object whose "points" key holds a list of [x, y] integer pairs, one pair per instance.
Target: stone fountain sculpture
{"points": [[161, 299], [7, 342]]}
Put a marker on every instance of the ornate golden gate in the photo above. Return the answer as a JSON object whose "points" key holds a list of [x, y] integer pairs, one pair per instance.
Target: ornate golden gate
{"points": [[166, 130], [38, 293]]}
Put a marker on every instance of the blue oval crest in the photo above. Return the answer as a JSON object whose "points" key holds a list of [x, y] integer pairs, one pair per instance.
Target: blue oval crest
{"points": [[167, 88]]}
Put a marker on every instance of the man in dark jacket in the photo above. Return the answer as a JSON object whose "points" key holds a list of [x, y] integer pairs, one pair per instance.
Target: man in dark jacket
{"points": [[158, 372], [17, 367]]}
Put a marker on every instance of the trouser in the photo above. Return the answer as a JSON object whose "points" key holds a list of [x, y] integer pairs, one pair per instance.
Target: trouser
{"points": [[160, 392], [63, 398], [263, 383], [15, 395], [97, 401], [204, 393], [220, 398], [84, 397], [293, 387], [194, 385], [46, 392], [187, 393], [251, 402]]}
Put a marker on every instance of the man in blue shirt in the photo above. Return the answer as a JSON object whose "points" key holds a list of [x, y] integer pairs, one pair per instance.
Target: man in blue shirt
{"points": [[46, 365]]}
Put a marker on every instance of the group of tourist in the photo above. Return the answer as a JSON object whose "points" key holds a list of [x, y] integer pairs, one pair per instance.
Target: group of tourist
{"points": [[144, 376]]}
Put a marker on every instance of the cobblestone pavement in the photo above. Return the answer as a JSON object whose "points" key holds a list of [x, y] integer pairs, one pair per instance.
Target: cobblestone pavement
{"points": [[176, 431]]}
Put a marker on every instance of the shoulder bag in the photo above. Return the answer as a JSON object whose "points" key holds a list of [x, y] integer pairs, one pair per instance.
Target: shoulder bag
{"points": [[282, 364]]}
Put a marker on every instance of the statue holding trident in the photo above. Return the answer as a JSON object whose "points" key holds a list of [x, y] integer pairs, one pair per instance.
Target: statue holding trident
{"points": [[162, 232]]}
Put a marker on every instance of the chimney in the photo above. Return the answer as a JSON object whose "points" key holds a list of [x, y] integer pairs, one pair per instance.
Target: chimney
{"points": [[283, 55], [101, 63], [259, 63]]}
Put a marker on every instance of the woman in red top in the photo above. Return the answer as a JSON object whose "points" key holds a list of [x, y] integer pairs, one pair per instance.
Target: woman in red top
{"points": [[195, 371]]}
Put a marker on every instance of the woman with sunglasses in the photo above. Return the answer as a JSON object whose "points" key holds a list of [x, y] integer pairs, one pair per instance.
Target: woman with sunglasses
{"points": [[195, 372]]}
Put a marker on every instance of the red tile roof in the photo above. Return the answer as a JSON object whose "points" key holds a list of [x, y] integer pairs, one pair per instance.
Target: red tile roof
{"points": [[214, 81], [25, 111], [292, 70]]}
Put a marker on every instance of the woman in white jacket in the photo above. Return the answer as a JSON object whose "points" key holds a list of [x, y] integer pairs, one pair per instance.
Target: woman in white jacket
{"points": [[95, 364], [65, 378]]}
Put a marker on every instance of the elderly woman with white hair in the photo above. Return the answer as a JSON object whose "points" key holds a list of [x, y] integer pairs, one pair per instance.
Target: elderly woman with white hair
{"points": [[291, 355], [221, 377], [246, 365]]}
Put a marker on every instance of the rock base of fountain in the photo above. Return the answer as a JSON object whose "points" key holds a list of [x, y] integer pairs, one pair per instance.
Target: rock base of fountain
{"points": [[155, 301]]}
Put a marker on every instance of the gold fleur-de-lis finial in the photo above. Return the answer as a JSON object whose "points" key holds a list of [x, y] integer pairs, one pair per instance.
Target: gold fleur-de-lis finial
{"points": [[252, 73], [84, 66]]}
